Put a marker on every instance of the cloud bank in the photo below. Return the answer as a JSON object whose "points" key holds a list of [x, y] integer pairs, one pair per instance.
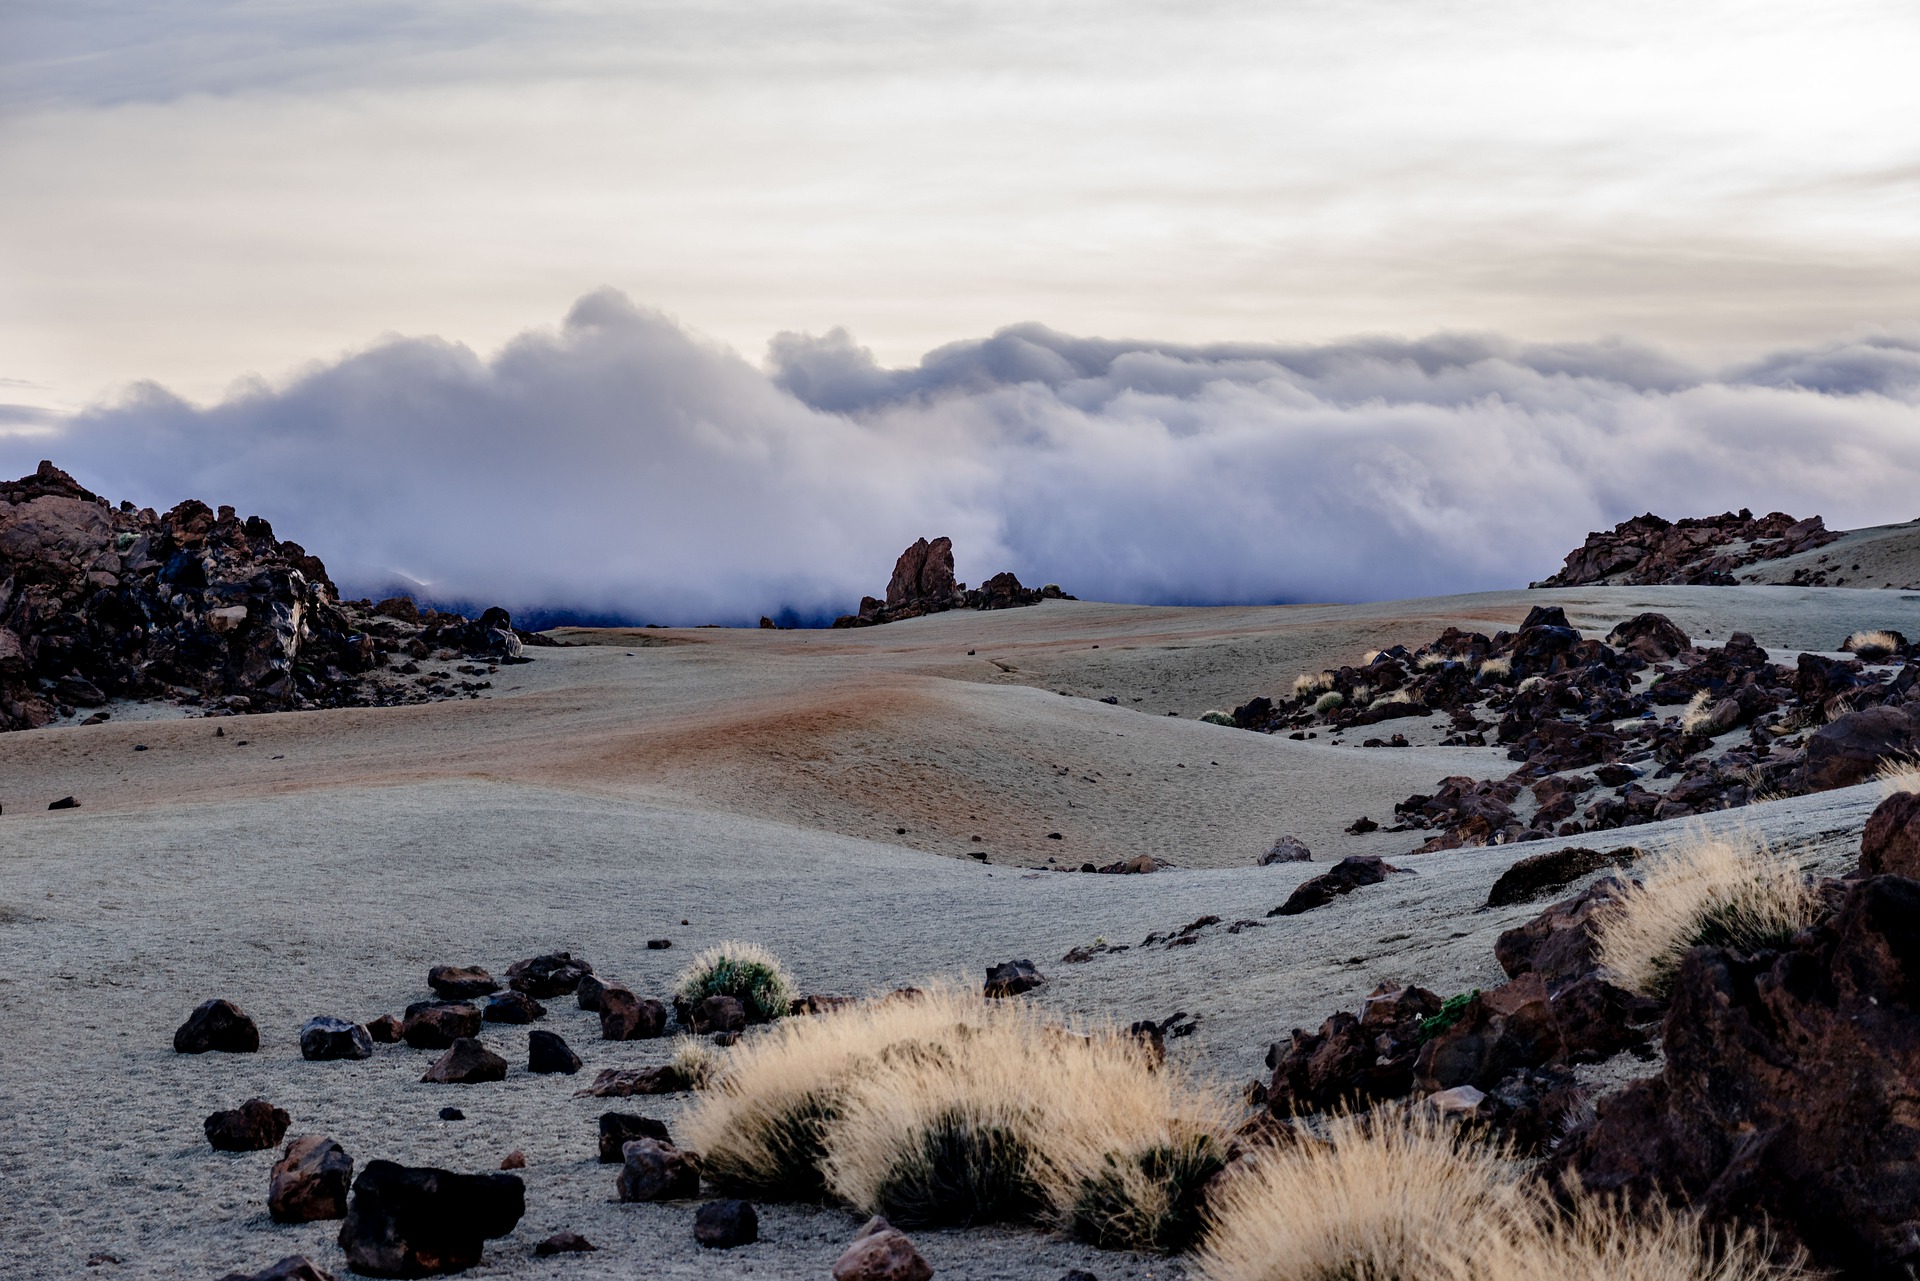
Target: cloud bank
{"points": [[623, 467]]}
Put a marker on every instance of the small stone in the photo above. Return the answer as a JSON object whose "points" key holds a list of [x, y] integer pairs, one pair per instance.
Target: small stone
{"points": [[626, 1017], [295, 1267], [617, 1129], [718, 1014], [254, 1126], [555, 974], [1075, 1274], [466, 1062], [310, 1181], [514, 1160], [65, 803], [881, 1252], [564, 1243], [386, 1029], [452, 1114], [434, 1025], [1011, 978], [546, 1053], [461, 982], [513, 1007], [1288, 849], [660, 945], [323, 1039], [217, 1025], [723, 1225], [656, 1171]]}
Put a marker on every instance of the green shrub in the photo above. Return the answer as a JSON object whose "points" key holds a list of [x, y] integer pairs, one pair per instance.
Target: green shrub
{"points": [[1452, 1010], [745, 971]]}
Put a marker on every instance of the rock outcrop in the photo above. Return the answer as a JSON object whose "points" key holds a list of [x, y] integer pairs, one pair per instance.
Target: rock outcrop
{"points": [[1699, 550], [198, 606], [923, 583]]}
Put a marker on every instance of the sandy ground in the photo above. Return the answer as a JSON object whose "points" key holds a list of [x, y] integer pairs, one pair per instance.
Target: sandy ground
{"points": [[748, 784]]}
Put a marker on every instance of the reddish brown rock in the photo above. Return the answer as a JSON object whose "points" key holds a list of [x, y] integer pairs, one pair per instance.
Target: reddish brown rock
{"points": [[1352, 1060], [617, 1129], [466, 1062], [881, 1252], [545, 977], [626, 1017], [386, 1030], [656, 1171], [1541, 874], [1011, 978], [254, 1126], [513, 1007], [417, 1221], [310, 1181], [620, 1083], [726, 1225], [1891, 843], [1850, 748], [219, 1026], [564, 1243], [461, 982], [717, 1014], [434, 1025], [1348, 875]]}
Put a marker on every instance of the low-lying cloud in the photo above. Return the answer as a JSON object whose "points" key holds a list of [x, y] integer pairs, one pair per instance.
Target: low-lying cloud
{"points": [[622, 467]]}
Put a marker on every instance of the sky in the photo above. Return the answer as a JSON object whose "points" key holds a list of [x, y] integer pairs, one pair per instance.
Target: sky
{"points": [[782, 286]]}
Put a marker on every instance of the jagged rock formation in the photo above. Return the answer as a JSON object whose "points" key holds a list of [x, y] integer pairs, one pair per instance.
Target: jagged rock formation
{"points": [[1701, 551], [923, 583], [199, 606]]}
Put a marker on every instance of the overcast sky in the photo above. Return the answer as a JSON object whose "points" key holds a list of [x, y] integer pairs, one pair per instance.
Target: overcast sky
{"points": [[237, 233]]}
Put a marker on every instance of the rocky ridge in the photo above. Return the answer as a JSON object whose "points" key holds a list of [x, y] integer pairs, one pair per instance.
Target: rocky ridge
{"points": [[1696, 551], [203, 608], [923, 583]]}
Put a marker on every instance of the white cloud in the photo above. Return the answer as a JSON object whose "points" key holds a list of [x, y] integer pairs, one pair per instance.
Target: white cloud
{"points": [[623, 466]]}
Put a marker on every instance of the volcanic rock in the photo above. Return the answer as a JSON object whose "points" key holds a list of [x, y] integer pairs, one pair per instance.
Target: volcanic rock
{"points": [[254, 1126], [555, 974], [547, 1053], [564, 1243], [326, 1038], [626, 1017], [295, 1267], [1352, 1061], [1653, 637], [1891, 843], [310, 1181], [513, 1007], [881, 1252], [717, 1014], [620, 1083], [617, 1129], [416, 1221], [656, 1171], [434, 1025], [723, 1225], [386, 1029], [1288, 849], [1348, 875], [1700, 551], [461, 982], [1850, 748], [587, 994], [1541, 874], [1011, 978], [217, 1025], [466, 1062]]}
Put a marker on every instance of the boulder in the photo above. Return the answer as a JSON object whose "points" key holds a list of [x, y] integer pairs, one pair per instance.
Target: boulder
{"points": [[461, 982], [547, 1053], [434, 1025], [626, 1017], [923, 576], [310, 1181], [723, 1225], [326, 1038], [617, 1129], [1538, 875], [254, 1126], [386, 1030], [1346, 876], [1653, 637], [1557, 944], [219, 1026], [1352, 1060], [513, 1007], [1011, 978], [1850, 748], [1891, 843], [564, 1243], [544, 977], [295, 1267], [1504, 1028], [417, 1221], [620, 1083], [881, 1252], [1288, 849], [1786, 1087], [717, 1014], [656, 1171], [466, 1062], [588, 992]]}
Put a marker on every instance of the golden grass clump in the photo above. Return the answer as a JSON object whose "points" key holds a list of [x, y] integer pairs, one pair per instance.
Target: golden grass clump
{"points": [[1430, 660], [695, 1061], [950, 1108], [1217, 717], [1898, 774], [1404, 1196], [1698, 711], [1311, 683], [1732, 891], [1494, 669], [1872, 645], [1532, 682]]}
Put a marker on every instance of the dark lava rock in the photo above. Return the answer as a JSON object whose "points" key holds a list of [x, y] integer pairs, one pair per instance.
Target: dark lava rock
{"points": [[254, 1126], [1288, 849], [547, 1053], [626, 1017], [620, 1083], [659, 945], [1700, 551], [217, 1025], [564, 1243], [466, 1062], [461, 982], [1558, 944], [452, 1114], [1891, 843], [1346, 876], [1787, 1081], [434, 1025], [1352, 1061], [1653, 637], [589, 991], [555, 974], [1011, 978], [1850, 748], [328, 1038], [722, 1225], [386, 1029], [717, 1014], [310, 1181], [1541, 874], [656, 1171], [513, 1007], [617, 1129], [416, 1221], [881, 1252], [295, 1267], [64, 803]]}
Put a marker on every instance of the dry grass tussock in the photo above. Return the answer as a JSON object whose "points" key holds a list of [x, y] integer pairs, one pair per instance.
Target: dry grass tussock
{"points": [[1731, 890], [1883, 642], [950, 1108], [1493, 669], [696, 1061], [1305, 684], [1402, 1196], [1699, 708], [1429, 661], [1331, 701], [1898, 774]]}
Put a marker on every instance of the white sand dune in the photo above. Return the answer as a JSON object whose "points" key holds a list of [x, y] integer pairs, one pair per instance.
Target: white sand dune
{"points": [[749, 784]]}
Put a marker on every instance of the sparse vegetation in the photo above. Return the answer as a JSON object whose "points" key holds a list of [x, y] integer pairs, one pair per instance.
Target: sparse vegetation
{"points": [[1451, 1011], [1429, 661], [1331, 701], [695, 1061], [1898, 774], [1306, 683], [1493, 669], [1726, 891], [745, 971], [1697, 713], [1217, 717], [1531, 683], [1872, 646]]}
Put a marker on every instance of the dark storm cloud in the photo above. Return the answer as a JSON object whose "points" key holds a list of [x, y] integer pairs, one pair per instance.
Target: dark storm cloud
{"points": [[622, 466]]}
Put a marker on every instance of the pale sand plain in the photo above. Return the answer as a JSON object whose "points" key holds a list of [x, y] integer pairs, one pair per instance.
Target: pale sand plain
{"points": [[749, 784]]}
